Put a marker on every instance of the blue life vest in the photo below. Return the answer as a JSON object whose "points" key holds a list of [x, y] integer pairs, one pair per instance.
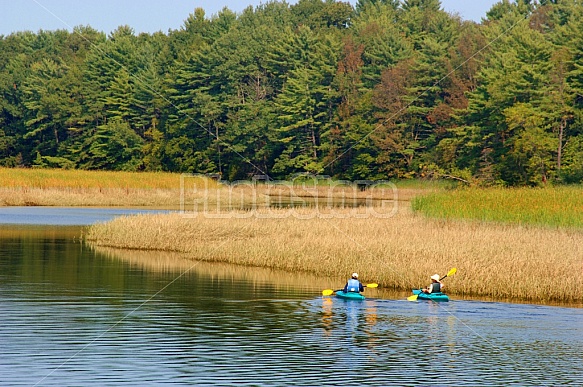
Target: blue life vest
{"points": [[353, 285]]}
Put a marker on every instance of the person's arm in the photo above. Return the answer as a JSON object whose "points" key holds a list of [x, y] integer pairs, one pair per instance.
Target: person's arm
{"points": [[345, 290], [361, 287]]}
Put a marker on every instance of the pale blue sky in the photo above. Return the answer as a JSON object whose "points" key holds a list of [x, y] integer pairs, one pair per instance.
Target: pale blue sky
{"points": [[148, 15]]}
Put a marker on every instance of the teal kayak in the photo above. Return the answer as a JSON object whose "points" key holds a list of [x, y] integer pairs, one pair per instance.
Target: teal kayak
{"points": [[431, 297], [349, 295]]}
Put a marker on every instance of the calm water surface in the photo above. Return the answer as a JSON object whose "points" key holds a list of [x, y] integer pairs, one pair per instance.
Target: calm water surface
{"points": [[72, 315], [62, 216]]}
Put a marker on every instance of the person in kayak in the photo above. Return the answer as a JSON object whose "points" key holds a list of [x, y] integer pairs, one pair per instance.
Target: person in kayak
{"points": [[436, 286], [353, 285]]}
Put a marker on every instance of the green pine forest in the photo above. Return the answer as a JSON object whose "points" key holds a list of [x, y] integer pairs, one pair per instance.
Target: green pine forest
{"points": [[384, 89]]}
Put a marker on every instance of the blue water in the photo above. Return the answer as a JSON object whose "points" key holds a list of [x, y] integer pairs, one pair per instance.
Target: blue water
{"points": [[63, 216], [74, 316]]}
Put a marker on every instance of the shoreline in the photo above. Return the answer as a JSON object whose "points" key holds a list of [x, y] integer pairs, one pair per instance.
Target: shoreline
{"points": [[236, 196], [165, 262], [296, 226], [399, 252], [245, 231]]}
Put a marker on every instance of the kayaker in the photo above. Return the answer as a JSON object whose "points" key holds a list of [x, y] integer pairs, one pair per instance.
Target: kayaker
{"points": [[353, 285], [435, 286]]}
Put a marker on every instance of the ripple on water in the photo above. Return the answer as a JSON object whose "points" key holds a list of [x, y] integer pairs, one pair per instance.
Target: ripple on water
{"points": [[108, 330]]}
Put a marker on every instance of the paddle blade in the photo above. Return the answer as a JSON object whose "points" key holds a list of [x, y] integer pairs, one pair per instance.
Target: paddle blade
{"points": [[373, 285], [413, 297], [327, 292], [449, 273]]}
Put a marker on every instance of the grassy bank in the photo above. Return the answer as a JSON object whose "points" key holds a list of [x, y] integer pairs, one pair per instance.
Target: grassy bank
{"points": [[81, 179], [400, 252], [513, 255], [555, 207], [56, 187]]}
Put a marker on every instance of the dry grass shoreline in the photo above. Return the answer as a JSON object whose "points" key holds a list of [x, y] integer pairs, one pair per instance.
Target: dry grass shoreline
{"points": [[399, 252], [51, 187], [385, 241]]}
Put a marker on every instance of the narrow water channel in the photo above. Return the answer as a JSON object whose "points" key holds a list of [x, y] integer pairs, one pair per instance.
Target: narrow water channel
{"points": [[71, 315]]}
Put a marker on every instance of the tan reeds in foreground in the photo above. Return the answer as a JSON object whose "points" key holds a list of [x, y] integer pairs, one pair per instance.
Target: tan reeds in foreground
{"points": [[401, 252]]}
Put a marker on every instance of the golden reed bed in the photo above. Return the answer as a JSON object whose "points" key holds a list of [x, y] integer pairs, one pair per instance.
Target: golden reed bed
{"points": [[197, 192], [397, 249], [58, 187]]}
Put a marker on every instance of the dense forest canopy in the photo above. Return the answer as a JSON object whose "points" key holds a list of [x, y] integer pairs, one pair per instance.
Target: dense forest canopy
{"points": [[383, 90]]}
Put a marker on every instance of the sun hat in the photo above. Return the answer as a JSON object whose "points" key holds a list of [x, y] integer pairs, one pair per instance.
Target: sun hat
{"points": [[435, 277], [354, 275]]}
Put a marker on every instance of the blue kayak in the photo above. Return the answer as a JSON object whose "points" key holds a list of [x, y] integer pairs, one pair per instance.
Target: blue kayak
{"points": [[439, 297], [350, 295]]}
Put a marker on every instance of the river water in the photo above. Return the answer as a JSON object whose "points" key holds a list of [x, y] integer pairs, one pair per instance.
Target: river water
{"points": [[71, 315]]}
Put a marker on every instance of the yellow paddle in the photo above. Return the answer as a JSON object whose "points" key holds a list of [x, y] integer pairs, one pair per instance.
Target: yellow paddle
{"points": [[449, 274], [329, 292]]}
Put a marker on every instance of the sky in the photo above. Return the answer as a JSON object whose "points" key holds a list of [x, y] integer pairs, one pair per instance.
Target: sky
{"points": [[149, 15]]}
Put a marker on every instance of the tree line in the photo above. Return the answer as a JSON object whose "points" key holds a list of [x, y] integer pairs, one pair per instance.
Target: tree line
{"points": [[386, 89]]}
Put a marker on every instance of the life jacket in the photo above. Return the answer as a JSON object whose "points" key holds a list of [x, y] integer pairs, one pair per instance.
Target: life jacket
{"points": [[353, 285], [435, 287]]}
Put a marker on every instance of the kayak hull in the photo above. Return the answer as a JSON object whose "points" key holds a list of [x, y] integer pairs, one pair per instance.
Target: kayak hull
{"points": [[438, 297], [350, 295]]}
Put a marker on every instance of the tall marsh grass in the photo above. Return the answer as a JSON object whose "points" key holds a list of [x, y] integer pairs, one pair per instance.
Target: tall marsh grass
{"points": [[58, 187], [82, 179], [555, 207], [400, 252]]}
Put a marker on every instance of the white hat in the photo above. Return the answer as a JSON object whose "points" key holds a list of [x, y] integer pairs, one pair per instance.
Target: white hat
{"points": [[354, 275], [435, 277]]}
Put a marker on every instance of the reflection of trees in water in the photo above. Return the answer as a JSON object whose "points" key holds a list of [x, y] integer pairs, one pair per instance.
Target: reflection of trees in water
{"points": [[51, 255], [33, 232]]}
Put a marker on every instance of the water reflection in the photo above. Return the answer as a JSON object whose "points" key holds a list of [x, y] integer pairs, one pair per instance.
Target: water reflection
{"points": [[174, 264], [73, 315], [327, 315]]}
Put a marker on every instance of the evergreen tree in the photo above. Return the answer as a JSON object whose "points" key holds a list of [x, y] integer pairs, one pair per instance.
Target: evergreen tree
{"points": [[49, 105], [515, 74], [303, 105], [389, 89], [114, 146], [377, 31]]}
